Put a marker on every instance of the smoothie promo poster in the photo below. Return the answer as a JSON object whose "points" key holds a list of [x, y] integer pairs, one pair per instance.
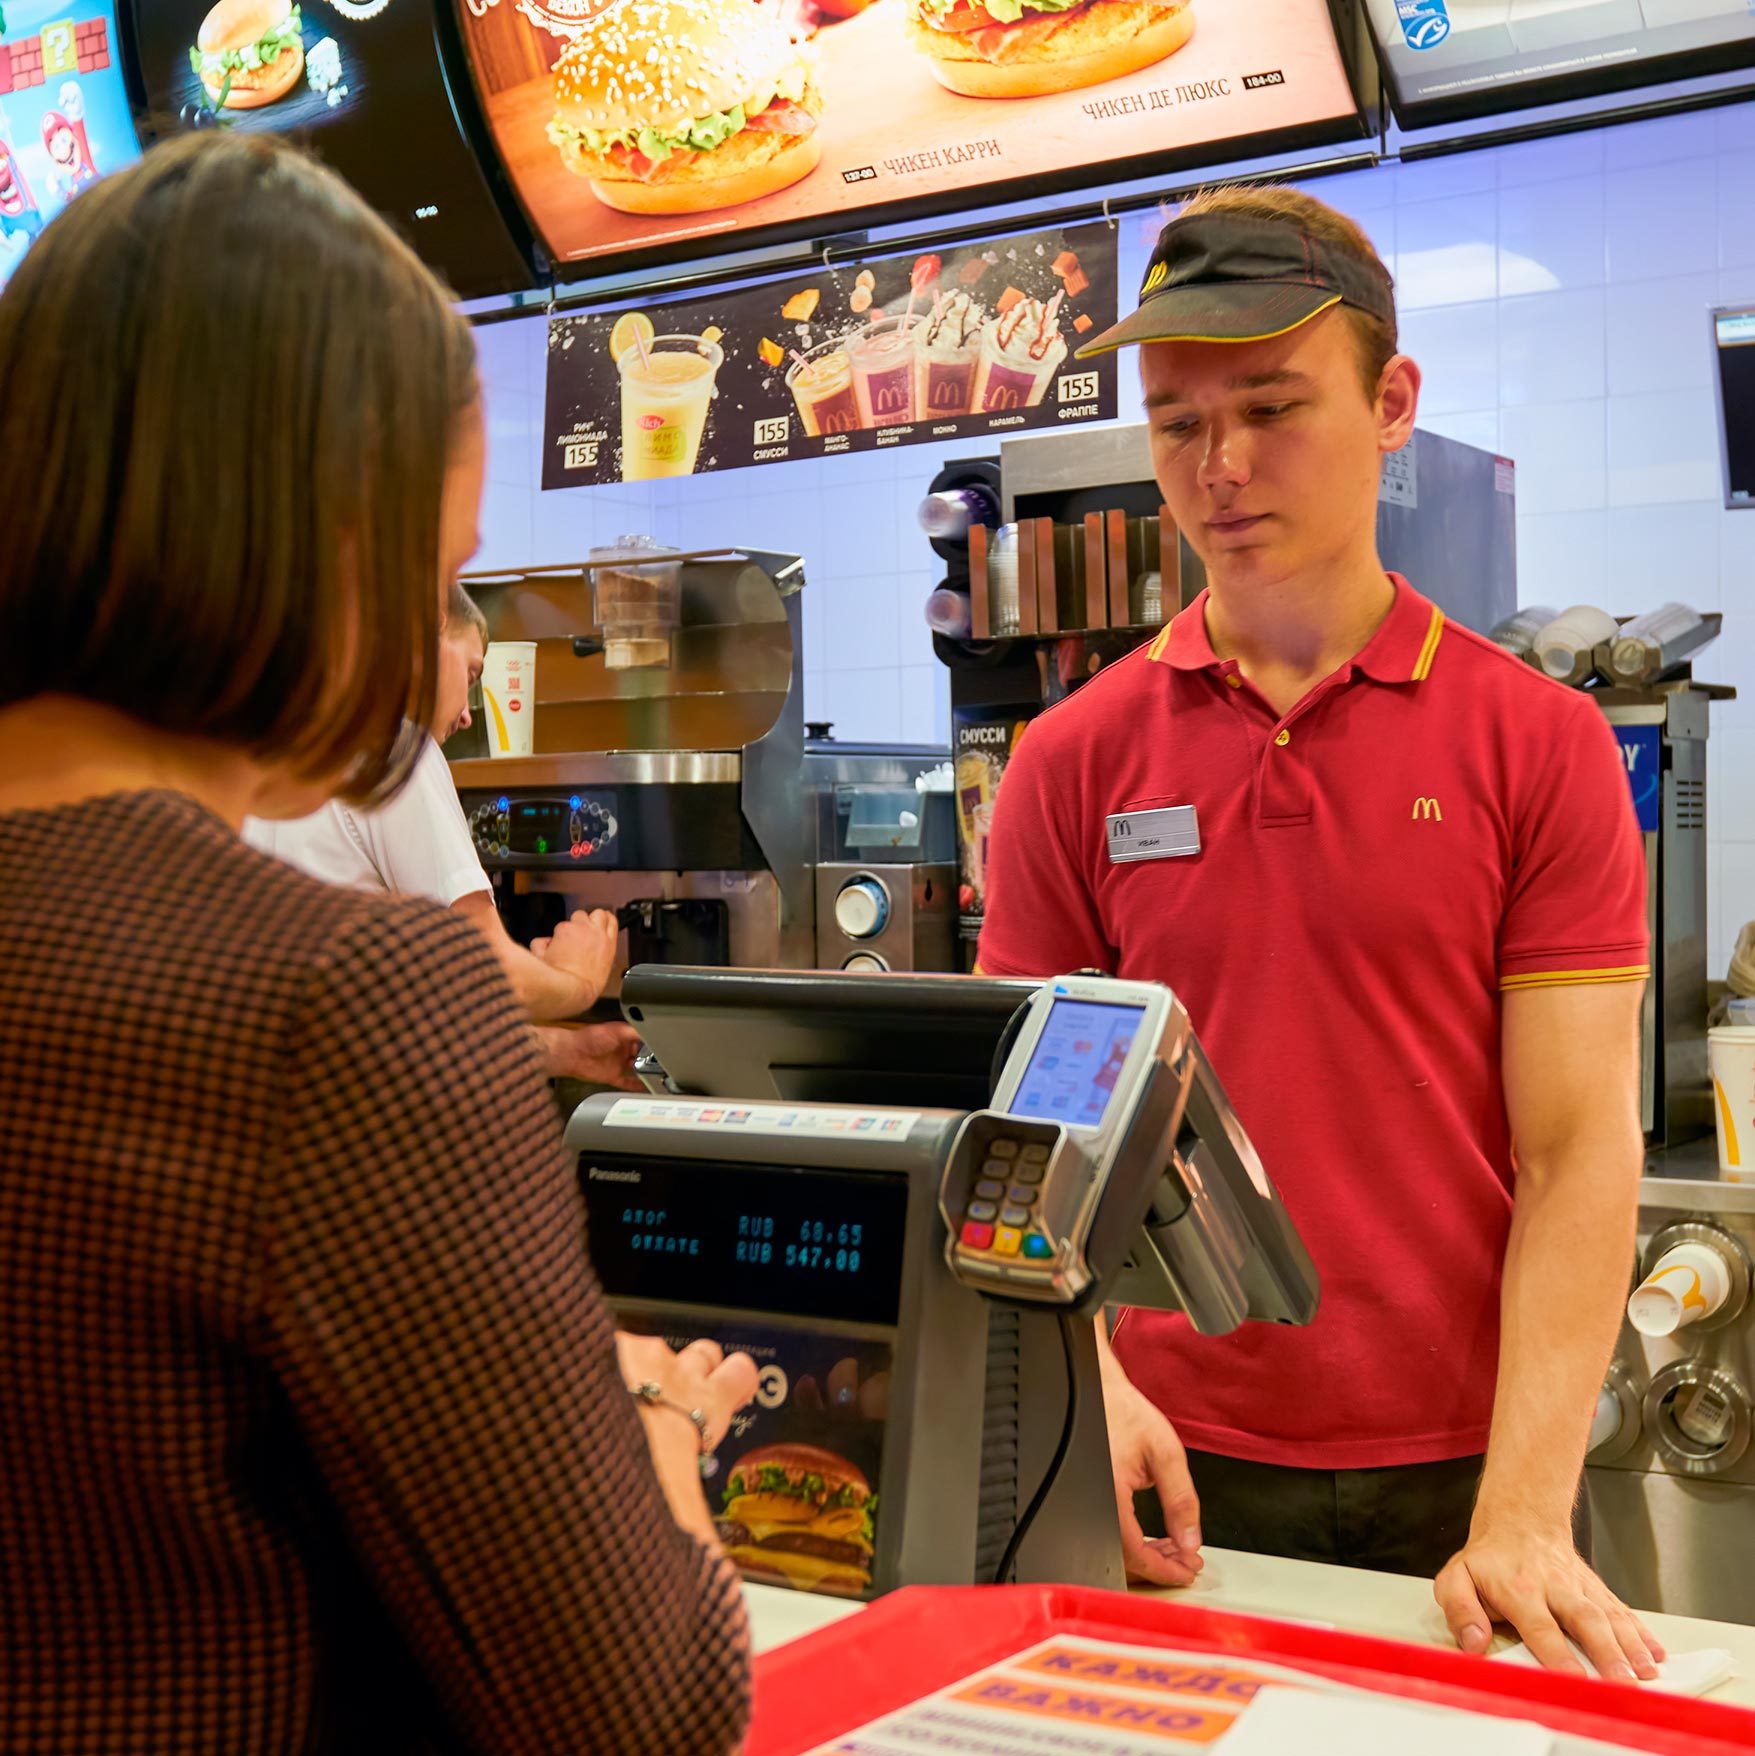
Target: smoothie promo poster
{"points": [[898, 350], [649, 125]]}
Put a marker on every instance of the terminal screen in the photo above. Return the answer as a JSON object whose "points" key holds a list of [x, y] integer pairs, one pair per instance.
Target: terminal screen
{"points": [[1077, 1061], [801, 1243]]}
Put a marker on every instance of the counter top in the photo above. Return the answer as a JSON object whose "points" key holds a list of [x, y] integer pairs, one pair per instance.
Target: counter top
{"points": [[1385, 1604]]}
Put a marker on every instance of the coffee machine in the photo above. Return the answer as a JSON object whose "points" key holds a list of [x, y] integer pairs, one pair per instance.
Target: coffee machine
{"points": [[665, 785]]}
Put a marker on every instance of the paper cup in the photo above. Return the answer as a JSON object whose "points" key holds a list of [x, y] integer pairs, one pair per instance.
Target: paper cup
{"points": [[1689, 1283], [508, 699], [1731, 1054]]}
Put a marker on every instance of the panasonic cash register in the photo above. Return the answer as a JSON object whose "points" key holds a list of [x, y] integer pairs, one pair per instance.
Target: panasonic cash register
{"points": [[910, 1198]]}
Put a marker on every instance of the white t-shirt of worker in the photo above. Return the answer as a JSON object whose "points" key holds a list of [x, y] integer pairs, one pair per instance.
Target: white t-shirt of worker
{"points": [[416, 845]]}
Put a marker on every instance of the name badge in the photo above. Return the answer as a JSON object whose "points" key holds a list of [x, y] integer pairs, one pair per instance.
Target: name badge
{"points": [[1172, 833]]}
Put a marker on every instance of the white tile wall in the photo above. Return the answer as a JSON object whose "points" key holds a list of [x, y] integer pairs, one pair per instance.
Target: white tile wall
{"points": [[1555, 294]]}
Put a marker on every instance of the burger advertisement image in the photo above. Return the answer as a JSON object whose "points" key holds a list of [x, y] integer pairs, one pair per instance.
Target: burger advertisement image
{"points": [[275, 64], [64, 120], [800, 1515], [858, 356], [651, 125], [793, 1486], [360, 83]]}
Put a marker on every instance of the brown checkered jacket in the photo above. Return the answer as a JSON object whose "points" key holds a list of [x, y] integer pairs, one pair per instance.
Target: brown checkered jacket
{"points": [[311, 1433]]}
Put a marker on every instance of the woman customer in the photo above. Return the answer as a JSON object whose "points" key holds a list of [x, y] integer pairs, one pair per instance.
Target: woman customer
{"points": [[315, 1434]]}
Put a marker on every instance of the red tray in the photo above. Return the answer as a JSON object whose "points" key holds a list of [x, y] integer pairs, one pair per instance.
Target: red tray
{"points": [[917, 1640]]}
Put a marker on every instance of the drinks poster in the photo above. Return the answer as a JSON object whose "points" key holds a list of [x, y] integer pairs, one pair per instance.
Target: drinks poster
{"points": [[856, 357]]}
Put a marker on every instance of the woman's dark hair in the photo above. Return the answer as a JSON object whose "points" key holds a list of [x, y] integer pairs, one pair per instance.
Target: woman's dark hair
{"points": [[228, 396]]}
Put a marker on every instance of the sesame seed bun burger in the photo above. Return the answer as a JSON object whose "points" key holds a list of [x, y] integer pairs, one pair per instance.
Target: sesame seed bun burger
{"points": [[1027, 48], [685, 106], [798, 1515], [257, 44]]}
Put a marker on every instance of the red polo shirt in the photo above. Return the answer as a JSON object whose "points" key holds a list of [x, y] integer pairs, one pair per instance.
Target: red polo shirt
{"points": [[1433, 824]]}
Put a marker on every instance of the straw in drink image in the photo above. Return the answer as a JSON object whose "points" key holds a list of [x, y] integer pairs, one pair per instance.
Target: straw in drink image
{"points": [[821, 383], [1020, 353], [667, 384]]}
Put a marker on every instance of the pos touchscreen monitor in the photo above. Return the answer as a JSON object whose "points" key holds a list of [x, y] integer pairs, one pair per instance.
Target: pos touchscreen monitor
{"points": [[365, 86], [64, 112]]}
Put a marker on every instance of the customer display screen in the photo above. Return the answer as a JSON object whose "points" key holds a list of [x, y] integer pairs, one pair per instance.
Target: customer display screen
{"points": [[64, 118], [662, 128], [362, 84], [1450, 59], [1734, 332], [801, 1243], [1077, 1060]]}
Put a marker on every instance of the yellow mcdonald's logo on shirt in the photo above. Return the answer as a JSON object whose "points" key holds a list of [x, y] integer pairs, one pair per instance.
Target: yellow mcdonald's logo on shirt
{"points": [[1427, 810]]}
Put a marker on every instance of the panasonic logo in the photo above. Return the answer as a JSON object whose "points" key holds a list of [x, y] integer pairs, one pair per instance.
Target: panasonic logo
{"points": [[596, 1174]]}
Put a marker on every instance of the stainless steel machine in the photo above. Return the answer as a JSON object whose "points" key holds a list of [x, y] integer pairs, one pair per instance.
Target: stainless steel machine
{"points": [[886, 855], [1671, 1471], [1662, 732], [668, 789], [916, 1252], [671, 780]]}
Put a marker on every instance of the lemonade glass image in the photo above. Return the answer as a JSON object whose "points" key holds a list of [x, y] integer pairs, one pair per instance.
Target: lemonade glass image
{"points": [[667, 388], [821, 383], [882, 357]]}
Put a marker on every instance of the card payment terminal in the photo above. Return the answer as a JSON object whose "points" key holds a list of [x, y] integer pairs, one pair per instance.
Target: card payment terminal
{"points": [[1109, 1167]]}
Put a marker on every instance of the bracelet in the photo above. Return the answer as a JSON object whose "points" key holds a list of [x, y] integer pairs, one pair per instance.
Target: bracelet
{"points": [[652, 1394]]}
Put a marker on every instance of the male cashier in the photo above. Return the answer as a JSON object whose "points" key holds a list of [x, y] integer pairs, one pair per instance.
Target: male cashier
{"points": [[1413, 940]]}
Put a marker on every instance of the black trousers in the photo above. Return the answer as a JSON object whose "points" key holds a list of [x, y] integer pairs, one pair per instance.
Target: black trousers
{"points": [[1409, 1519]]}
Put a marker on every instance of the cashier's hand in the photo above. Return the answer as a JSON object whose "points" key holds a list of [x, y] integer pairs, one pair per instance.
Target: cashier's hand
{"points": [[599, 1054], [1145, 1454], [1534, 1579], [584, 946]]}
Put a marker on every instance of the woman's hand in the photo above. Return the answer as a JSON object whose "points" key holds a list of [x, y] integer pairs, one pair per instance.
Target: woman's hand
{"points": [[701, 1376]]}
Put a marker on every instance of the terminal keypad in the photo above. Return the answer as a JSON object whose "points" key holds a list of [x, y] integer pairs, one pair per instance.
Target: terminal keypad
{"points": [[1003, 1218]]}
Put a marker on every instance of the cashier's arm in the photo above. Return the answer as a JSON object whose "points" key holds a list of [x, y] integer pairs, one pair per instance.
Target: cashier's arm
{"points": [[573, 970], [1571, 1068]]}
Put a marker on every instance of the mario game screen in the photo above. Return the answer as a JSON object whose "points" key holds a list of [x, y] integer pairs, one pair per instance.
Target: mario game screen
{"points": [[64, 119]]}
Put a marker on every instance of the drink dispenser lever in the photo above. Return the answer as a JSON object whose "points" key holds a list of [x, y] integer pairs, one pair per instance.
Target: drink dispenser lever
{"points": [[1695, 1274]]}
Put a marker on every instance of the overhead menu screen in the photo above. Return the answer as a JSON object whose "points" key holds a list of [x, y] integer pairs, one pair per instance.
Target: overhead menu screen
{"points": [[64, 118], [661, 126], [363, 84], [1734, 334], [1076, 1063], [822, 1244], [1451, 59]]}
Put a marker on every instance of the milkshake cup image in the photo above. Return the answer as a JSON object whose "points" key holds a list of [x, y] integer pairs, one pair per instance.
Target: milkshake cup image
{"points": [[947, 349], [821, 383], [882, 357], [667, 388], [1020, 354]]}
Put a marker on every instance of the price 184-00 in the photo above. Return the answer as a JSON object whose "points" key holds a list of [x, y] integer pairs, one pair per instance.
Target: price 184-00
{"points": [[822, 1256]]}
